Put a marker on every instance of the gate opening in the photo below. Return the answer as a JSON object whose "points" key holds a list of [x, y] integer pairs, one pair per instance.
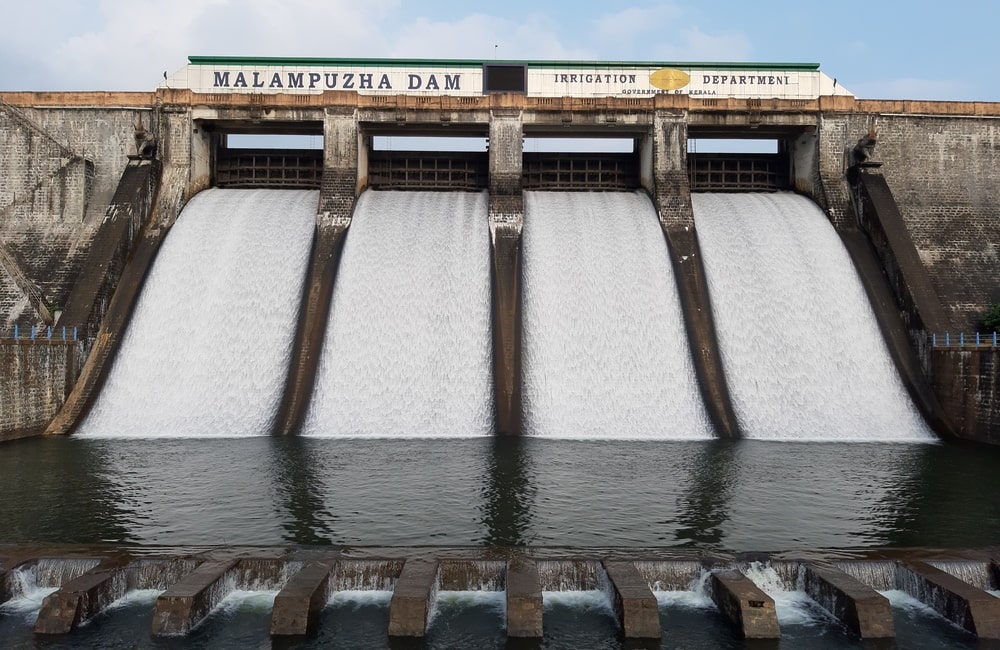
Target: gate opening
{"points": [[274, 160], [406, 162], [580, 164], [738, 165]]}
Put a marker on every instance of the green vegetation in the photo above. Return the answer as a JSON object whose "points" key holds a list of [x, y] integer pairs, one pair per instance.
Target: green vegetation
{"points": [[991, 319]]}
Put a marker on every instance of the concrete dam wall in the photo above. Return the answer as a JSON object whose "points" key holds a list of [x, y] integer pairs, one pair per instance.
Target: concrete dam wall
{"points": [[940, 169]]}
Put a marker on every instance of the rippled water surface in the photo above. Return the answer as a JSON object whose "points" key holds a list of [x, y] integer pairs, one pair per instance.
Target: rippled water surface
{"points": [[746, 495]]}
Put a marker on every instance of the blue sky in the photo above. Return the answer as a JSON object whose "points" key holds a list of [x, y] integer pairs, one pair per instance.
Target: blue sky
{"points": [[895, 50]]}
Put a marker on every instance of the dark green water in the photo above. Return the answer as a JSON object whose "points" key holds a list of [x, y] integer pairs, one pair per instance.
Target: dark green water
{"points": [[717, 495], [712, 495]]}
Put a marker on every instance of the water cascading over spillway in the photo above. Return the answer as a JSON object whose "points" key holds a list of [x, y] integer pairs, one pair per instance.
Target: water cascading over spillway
{"points": [[803, 353], [605, 353], [407, 351], [208, 346]]}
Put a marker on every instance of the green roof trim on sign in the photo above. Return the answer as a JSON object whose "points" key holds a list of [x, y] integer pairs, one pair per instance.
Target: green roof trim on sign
{"points": [[476, 63]]}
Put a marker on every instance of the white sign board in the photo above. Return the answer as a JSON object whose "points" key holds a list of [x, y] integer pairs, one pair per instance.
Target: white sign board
{"points": [[575, 80]]}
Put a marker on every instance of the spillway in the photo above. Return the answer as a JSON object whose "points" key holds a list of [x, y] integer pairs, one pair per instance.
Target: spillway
{"points": [[802, 350], [207, 349], [605, 352], [407, 351]]}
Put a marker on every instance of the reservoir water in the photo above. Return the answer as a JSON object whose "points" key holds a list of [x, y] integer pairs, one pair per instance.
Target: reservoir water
{"points": [[712, 494]]}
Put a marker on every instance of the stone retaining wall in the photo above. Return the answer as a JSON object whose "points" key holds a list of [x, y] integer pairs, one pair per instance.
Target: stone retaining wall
{"points": [[35, 377]]}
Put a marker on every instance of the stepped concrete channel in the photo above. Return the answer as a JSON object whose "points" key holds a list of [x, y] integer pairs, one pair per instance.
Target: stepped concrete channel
{"points": [[194, 581]]}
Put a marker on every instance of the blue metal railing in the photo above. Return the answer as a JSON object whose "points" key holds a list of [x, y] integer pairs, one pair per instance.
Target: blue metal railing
{"points": [[961, 340], [43, 334]]}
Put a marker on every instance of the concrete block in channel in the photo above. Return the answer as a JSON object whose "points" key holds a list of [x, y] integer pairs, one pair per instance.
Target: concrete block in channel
{"points": [[524, 599], [865, 612], [298, 604], [742, 602], [411, 598], [634, 602]]}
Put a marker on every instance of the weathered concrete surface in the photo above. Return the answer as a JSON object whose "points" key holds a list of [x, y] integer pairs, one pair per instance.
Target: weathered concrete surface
{"points": [[964, 605], [745, 605], [35, 379], [524, 599], [506, 215], [412, 598], [865, 612], [328, 244], [919, 305], [60, 166], [943, 170], [83, 598], [505, 246], [672, 196], [635, 605], [186, 603], [339, 189], [126, 215], [298, 604], [966, 383]]}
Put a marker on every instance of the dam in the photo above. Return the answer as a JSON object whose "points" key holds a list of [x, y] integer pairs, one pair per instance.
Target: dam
{"points": [[579, 367]]}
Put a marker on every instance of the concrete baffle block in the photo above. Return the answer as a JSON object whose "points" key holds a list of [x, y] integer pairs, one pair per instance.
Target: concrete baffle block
{"points": [[634, 602], [864, 611], [188, 602], [964, 605], [524, 599], [5, 589], [411, 598], [81, 599], [298, 604], [743, 603]]}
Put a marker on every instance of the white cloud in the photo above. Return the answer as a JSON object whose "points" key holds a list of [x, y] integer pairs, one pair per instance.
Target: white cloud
{"points": [[475, 36], [629, 24], [129, 43], [693, 44]]}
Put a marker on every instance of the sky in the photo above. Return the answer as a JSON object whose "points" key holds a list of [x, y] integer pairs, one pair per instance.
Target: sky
{"points": [[877, 49]]}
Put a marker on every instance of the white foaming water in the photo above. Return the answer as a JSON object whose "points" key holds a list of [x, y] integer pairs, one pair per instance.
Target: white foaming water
{"points": [[207, 350], [458, 600], [590, 600], [803, 353], [605, 353], [901, 600], [244, 599], [361, 597], [696, 596], [793, 607], [28, 596], [135, 598], [407, 351]]}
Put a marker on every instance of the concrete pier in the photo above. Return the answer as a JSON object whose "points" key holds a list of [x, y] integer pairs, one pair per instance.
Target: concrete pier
{"points": [[964, 605], [298, 604], [864, 611], [82, 598], [635, 605], [524, 599], [338, 194], [672, 196], [195, 582], [506, 215], [745, 605], [412, 598], [186, 603]]}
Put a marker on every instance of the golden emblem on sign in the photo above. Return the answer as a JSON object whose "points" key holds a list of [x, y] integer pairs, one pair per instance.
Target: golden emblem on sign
{"points": [[669, 79]]}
